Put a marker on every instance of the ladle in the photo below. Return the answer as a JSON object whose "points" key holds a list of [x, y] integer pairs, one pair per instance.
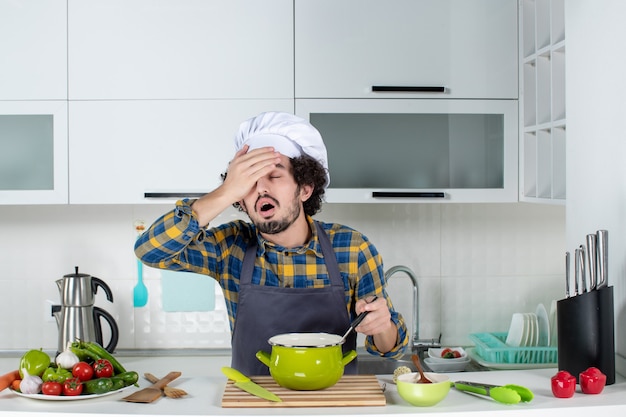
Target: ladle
{"points": [[356, 321], [423, 379]]}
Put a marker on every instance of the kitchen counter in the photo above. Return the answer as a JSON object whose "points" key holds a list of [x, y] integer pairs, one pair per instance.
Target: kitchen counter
{"points": [[202, 379]]}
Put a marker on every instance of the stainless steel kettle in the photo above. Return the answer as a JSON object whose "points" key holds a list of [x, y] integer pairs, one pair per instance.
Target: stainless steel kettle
{"points": [[77, 317]]}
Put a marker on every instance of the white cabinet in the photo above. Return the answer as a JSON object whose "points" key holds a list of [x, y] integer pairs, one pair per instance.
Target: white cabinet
{"points": [[542, 96], [120, 150], [389, 151], [33, 50], [180, 49], [468, 47], [33, 152]]}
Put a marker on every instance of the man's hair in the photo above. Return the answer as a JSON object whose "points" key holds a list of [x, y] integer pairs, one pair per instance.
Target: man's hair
{"points": [[306, 171]]}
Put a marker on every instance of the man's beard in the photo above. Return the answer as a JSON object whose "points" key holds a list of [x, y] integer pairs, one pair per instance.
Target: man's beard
{"points": [[272, 227]]}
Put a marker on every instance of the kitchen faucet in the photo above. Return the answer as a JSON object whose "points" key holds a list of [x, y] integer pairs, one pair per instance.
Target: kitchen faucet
{"points": [[417, 345]]}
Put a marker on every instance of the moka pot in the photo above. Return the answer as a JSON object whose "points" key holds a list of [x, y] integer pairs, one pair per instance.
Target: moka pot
{"points": [[77, 318]]}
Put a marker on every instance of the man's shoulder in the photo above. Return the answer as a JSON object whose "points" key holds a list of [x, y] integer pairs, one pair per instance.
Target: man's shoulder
{"points": [[338, 230]]}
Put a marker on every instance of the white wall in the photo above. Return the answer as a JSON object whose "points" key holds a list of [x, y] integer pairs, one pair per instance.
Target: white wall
{"points": [[596, 139], [477, 264]]}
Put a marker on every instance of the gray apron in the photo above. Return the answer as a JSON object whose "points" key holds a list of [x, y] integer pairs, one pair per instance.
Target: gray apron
{"points": [[263, 311]]}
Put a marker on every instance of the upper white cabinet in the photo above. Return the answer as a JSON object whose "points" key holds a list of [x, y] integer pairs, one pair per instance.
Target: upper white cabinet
{"points": [[121, 150], [33, 152], [33, 50], [542, 96], [180, 49], [345, 48]]}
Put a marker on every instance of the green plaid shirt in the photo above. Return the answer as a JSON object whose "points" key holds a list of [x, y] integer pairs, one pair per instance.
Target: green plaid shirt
{"points": [[177, 242]]}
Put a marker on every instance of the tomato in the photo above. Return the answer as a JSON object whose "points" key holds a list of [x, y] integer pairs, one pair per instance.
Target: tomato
{"points": [[445, 352], [592, 381], [72, 386], [449, 353], [563, 384], [82, 371], [102, 368], [51, 388]]}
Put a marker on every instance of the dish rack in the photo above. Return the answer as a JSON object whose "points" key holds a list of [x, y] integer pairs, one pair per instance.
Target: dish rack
{"points": [[492, 348]]}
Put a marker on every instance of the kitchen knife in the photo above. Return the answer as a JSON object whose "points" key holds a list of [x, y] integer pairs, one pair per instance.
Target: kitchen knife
{"points": [[592, 260], [603, 258], [576, 271], [244, 383], [567, 263], [583, 274]]}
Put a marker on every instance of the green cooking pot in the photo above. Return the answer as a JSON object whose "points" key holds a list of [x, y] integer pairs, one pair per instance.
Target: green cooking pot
{"points": [[306, 361]]}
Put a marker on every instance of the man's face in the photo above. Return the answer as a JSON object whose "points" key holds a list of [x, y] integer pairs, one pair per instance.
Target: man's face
{"points": [[276, 200]]}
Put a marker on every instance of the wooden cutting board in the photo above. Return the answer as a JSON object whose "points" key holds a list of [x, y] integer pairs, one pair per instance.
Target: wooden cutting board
{"points": [[350, 391]]}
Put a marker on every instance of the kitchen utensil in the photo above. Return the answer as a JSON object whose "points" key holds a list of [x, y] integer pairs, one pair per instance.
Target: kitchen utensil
{"points": [[592, 260], [422, 378], [438, 366], [140, 291], [567, 275], [577, 272], [423, 395], [246, 384], [603, 258], [77, 317], [505, 394], [583, 268], [306, 361], [356, 322], [436, 355], [543, 323], [167, 390], [153, 392]]}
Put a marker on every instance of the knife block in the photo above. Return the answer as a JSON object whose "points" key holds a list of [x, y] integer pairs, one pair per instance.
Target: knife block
{"points": [[586, 335]]}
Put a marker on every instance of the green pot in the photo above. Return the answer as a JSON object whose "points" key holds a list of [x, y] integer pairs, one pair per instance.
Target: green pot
{"points": [[306, 361]]}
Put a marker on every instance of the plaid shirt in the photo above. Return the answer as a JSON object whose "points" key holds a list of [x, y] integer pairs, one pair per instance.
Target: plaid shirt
{"points": [[177, 242]]}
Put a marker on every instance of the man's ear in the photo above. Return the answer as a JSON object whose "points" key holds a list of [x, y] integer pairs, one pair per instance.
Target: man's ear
{"points": [[306, 191]]}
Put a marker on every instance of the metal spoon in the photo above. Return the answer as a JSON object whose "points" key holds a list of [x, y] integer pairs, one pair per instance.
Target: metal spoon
{"points": [[357, 321], [423, 379]]}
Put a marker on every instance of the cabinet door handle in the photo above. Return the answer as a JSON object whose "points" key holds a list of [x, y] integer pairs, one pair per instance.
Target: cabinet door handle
{"points": [[408, 194], [174, 194], [408, 89]]}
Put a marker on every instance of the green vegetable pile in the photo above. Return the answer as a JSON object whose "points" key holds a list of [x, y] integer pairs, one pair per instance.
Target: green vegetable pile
{"points": [[83, 368]]}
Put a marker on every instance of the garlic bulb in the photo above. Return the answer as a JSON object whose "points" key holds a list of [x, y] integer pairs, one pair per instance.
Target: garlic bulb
{"points": [[31, 384], [67, 359]]}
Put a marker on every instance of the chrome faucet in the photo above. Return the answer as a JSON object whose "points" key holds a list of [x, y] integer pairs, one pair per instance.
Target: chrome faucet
{"points": [[417, 344]]}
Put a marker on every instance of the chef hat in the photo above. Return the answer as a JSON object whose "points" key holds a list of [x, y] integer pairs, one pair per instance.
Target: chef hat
{"points": [[290, 135]]}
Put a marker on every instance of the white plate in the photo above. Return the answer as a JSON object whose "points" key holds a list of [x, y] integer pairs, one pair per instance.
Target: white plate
{"points": [[447, 366], [435, 354], [553, 326], [67, 397], [516, 330], [544, 326]]}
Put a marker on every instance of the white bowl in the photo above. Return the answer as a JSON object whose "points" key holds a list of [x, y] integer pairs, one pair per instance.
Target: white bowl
{"points": [[435, 354], [447, 366]]}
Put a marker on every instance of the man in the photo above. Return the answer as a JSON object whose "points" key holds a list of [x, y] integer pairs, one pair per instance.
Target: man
{"points": [[282, 272]]}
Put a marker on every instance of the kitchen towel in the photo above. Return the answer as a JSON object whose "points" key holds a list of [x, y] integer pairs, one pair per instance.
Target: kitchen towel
{"points": [[187, 291]]}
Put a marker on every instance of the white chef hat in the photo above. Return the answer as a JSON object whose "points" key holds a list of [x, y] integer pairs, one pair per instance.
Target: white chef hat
{"points": [[290, 135]]}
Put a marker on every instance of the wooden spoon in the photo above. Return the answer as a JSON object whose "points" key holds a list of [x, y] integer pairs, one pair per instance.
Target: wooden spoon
{"points": [[423, 378]]}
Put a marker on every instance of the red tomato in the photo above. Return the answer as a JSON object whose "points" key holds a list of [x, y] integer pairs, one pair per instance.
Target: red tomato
{"points": [[445, 352], [51, 388], [563, 384], [592, 381], [82, 371], [102, 368], [72, 386]]}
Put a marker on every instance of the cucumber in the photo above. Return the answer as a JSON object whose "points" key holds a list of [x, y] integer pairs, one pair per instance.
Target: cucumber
{"points": [[98, 385]]}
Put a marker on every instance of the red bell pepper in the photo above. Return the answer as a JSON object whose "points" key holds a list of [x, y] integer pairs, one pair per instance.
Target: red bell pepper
{"points": [[592, 381], [563, 384]]}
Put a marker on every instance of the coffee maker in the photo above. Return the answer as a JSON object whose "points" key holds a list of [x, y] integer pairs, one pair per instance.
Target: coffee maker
{"points": [[77, 317]]}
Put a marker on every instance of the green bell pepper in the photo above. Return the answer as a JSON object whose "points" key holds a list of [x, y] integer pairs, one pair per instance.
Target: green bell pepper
{"points": [[35, 362], [56, 374]]}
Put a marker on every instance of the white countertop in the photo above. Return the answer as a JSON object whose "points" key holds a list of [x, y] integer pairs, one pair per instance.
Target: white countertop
{"points": [[202, 379]]}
